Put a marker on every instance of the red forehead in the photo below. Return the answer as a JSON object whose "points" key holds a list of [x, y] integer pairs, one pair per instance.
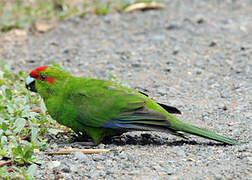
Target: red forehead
{"points": [[36, 71]]}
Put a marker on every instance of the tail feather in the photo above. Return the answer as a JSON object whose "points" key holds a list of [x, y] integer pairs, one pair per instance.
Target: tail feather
{"points": [[191, 129], [142, 121]]}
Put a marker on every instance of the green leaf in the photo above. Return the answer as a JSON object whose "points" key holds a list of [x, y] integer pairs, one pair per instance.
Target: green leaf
{"points": [[42, 105], [4, 126], [53, 131], [1, 82], [7, 66], [8, 94], [28, 154], [3, 152], [19, 150], [3, 140], [34, 133], [110, 76], [32, 169], [19, 125]]}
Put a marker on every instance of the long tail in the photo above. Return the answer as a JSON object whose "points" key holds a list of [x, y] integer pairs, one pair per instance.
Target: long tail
{"points": [[173, 126], [178, 125], [145, 120]]}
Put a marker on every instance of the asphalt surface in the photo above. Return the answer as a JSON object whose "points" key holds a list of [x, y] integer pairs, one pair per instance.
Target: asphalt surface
{"points": [[194, 55]]}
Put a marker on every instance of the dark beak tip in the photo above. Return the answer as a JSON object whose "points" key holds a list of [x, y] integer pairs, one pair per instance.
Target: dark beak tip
{"points": [[30, 85]]}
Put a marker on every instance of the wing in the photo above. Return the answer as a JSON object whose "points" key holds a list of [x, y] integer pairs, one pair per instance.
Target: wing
{"points": [[107, 104], [170, 109]]}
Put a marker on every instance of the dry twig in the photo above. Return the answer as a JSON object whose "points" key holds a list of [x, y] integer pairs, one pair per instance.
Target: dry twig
{"points": [[26, 137], [143, 6], [6, 163], [85, 151]]}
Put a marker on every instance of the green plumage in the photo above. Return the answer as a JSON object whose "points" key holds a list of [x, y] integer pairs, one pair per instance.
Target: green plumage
{"points": [[101, 108]]}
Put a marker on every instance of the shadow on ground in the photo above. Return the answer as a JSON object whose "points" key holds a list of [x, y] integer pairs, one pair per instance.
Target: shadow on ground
{"points": [[142, 139]]}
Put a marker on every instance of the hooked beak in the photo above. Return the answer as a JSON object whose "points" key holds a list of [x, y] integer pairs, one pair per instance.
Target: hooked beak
{"points": [[30, 84]]}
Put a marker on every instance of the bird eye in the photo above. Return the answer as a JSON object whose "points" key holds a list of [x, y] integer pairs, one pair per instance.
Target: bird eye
{"points": [[43, 77]]}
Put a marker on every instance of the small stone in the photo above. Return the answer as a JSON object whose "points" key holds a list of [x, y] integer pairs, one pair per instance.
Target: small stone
{"points": [[51, 176], [158, 37], [172, 27], [224, 108], [212, 44], [176, 50], [36, 151], [68, 176], [81, 156], [110, 67], [31, 61], [249, 159], [98, 157], [162, 91], [66, 51], [155, 167], [200, 21], [180, 153], [65, 168], [167, 70], [53, 164], [108, 172], [54, 43], [218, 177], [42, 27], [200, 64], [101, 146], [198, 72], [136, 65], [74, 168], [169, 171], [122, 155], [173, 177], [149, 177], [242, 48]]}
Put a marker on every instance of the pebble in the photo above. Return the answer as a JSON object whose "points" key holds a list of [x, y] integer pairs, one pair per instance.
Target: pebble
{"points": [[180, 153], [68, 176], [98, 157], [199, 78], [169, 170], [81, 156], [63, 167]]}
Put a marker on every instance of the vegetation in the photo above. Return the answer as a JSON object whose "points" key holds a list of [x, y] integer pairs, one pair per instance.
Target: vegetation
{"points": [[23, 126], [23, 13]]}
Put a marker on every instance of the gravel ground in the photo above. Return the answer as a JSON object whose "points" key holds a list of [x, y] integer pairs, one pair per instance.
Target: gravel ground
{"points": [[194, 55]]}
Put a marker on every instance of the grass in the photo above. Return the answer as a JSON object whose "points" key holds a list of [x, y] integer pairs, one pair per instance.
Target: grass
{"points": [[23, 131], [19, 14]]}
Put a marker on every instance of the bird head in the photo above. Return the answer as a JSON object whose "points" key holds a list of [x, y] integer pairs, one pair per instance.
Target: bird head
{"points": [[45, 79], [39, 74]]}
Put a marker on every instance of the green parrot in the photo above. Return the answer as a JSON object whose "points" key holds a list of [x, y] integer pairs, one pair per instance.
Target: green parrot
{"points": [[102, 108]]}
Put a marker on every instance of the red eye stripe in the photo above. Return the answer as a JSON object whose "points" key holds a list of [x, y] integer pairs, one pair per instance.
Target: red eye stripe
{"points": [[35, 72], [50, 80]]}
